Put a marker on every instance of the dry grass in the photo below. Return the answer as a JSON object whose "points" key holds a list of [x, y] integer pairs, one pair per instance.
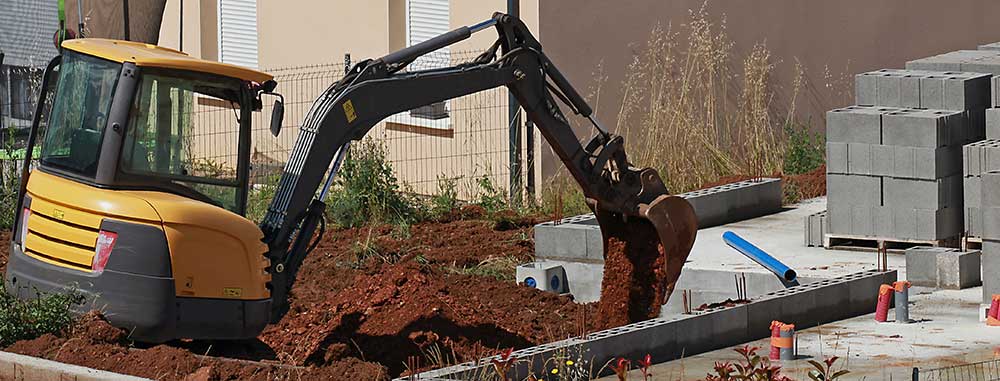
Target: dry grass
{"points": [[695, 119], [696, 110]]}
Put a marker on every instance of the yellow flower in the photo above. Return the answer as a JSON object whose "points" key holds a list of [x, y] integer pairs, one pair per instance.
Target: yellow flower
{"points": [[569, 362], [555, 371]]}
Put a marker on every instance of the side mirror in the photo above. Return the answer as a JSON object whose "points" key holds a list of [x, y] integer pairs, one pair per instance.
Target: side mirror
{"points": [[277, 115]]}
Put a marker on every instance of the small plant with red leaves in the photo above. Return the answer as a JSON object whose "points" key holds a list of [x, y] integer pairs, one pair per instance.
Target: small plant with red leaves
{"points": [[502, 365], [621, 368], [753, 368], [823, 373], [644, 366]]}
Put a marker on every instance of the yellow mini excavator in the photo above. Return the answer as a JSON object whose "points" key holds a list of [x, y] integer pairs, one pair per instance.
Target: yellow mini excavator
{"points": [[116, 210]]}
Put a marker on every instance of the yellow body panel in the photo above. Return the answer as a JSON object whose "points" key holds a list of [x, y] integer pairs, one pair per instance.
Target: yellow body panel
{"points": [[73, 256], [156, 56], [214, 253], [84, 205], [79, 236]]}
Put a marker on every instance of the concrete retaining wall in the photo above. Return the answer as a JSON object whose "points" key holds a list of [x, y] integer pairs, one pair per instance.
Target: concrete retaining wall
{"points": [[668, 339], [579, 238], [15, 367]]}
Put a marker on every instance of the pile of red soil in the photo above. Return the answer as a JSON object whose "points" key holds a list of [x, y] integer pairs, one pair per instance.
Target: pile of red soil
{"points": [[346, 307], [362, 313], [95, 343], [343, 307], [635, 283], [811, 184]]}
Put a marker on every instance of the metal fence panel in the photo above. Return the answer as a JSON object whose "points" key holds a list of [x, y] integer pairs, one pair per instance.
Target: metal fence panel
{"points": [[981, 371]]}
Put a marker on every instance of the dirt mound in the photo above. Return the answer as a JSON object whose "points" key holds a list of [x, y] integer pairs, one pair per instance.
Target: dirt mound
{"points": [[95, 344], [415, 310], [95, 327], [811, 184], [383, 294]]}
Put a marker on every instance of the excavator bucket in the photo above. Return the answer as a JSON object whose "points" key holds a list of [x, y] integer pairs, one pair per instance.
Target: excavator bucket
{"points": [[643, 259]]}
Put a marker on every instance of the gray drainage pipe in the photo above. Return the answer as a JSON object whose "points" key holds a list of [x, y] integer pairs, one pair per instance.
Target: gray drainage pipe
{"points": [[902, 302]]}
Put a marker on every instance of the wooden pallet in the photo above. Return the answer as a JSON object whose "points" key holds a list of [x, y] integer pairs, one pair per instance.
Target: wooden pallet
{"points": [[892, 245], [972, 243]]}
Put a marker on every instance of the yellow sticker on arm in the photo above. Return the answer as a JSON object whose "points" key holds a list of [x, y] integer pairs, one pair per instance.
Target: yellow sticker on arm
{"points": [[349, 111]]}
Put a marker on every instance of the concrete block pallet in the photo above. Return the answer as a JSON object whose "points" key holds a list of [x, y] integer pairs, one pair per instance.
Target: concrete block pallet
{"points": [[895, 174]]}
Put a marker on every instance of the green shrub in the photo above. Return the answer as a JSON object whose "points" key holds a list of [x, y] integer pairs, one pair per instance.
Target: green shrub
{"points": [[368, 192], [445, 199], [805, 149], [29, 319], [491, 198], [10, 178]]}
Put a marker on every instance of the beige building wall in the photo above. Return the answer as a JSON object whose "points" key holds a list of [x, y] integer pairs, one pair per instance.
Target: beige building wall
{"points": [[303, 44]]}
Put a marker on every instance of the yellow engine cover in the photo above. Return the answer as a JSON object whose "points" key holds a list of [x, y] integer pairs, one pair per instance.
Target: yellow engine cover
{"points": [[214, 253]]}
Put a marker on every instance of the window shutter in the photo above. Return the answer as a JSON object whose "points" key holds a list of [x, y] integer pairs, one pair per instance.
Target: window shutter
{"points": [[238, 32], [425, 20]]}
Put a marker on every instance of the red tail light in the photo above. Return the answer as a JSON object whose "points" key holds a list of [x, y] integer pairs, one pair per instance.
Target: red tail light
{"points": [[23, 231], [102, 251]]}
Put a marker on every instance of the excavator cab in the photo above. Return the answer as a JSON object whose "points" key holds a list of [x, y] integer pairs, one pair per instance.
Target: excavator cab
{"points": [[139, 191]]}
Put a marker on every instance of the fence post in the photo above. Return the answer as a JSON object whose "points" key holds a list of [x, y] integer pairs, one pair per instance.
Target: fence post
{"points": [[6, 86], [514, 127], [529, 157]]}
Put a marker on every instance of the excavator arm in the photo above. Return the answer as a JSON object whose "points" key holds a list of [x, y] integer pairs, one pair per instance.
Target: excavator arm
{"points": [[377, 88]]}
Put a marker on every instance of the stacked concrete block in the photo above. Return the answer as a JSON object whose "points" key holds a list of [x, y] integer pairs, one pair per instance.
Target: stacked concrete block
{"points": [[978, 158], [990, 198], [815, 229], [895, 173], [991, 46], [975, 61], [941, 90], [943, 267]]}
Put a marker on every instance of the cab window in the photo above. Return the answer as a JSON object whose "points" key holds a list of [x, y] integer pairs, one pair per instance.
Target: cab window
{"points": [[184, 131]]}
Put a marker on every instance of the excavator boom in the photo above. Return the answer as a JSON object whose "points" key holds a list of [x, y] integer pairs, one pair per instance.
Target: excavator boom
{"points": [[374, 89]]}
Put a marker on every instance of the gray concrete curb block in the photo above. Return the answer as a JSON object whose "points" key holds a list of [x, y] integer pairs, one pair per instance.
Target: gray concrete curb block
{"points": [[15, 367], [579, 238], [805, 306]]}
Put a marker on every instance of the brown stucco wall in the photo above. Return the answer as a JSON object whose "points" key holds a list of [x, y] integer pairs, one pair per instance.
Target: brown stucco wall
{"points": [[848, 36]]}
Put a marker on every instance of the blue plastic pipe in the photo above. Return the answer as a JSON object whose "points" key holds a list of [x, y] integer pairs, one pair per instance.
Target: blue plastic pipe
{"points": [[757, 255]]}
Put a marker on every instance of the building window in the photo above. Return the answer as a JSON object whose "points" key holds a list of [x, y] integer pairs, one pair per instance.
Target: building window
{"points": [[238, 32], [426, 19]]}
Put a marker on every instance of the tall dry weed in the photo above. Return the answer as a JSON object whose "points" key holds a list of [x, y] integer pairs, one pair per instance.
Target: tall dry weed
{"points": [[686, 112]]}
